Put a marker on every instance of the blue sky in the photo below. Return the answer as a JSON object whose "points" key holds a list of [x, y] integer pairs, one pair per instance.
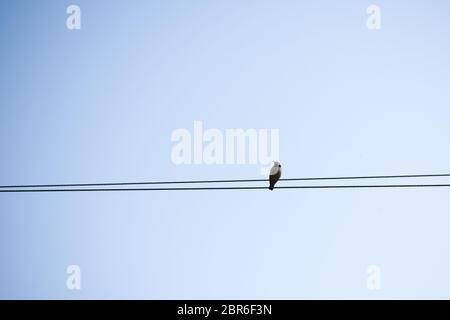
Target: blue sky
{"points": [[100, 104]]}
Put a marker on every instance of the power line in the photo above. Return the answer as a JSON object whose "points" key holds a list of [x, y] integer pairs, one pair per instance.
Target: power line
{"points": [[221, 181], [228, 188]]}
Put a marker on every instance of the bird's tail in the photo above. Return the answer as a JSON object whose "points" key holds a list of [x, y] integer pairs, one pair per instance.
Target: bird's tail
{"points": [[270, 187]]}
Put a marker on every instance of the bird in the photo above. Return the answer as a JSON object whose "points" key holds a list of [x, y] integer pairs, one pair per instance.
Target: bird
{"points": [[275, 174]]}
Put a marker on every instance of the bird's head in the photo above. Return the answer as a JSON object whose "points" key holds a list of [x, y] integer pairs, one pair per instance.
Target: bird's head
{"points": [[277, 164]]}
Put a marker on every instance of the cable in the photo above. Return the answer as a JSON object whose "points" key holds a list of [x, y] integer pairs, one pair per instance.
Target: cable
{"points": [[221, 181], [229, 188]]}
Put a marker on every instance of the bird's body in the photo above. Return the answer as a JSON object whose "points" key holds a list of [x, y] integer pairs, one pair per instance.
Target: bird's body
{"points": [[275, 174]]}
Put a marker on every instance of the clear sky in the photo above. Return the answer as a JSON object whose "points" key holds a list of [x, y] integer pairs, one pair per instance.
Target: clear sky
{"points": [[99, 104]]}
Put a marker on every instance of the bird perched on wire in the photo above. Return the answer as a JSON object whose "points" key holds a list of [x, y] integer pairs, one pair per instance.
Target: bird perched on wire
{"points": [[275, 174]]}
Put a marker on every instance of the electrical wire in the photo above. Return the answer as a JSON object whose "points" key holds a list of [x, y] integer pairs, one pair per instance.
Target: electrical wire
{"points": [[228, 188], [220, 181]]}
